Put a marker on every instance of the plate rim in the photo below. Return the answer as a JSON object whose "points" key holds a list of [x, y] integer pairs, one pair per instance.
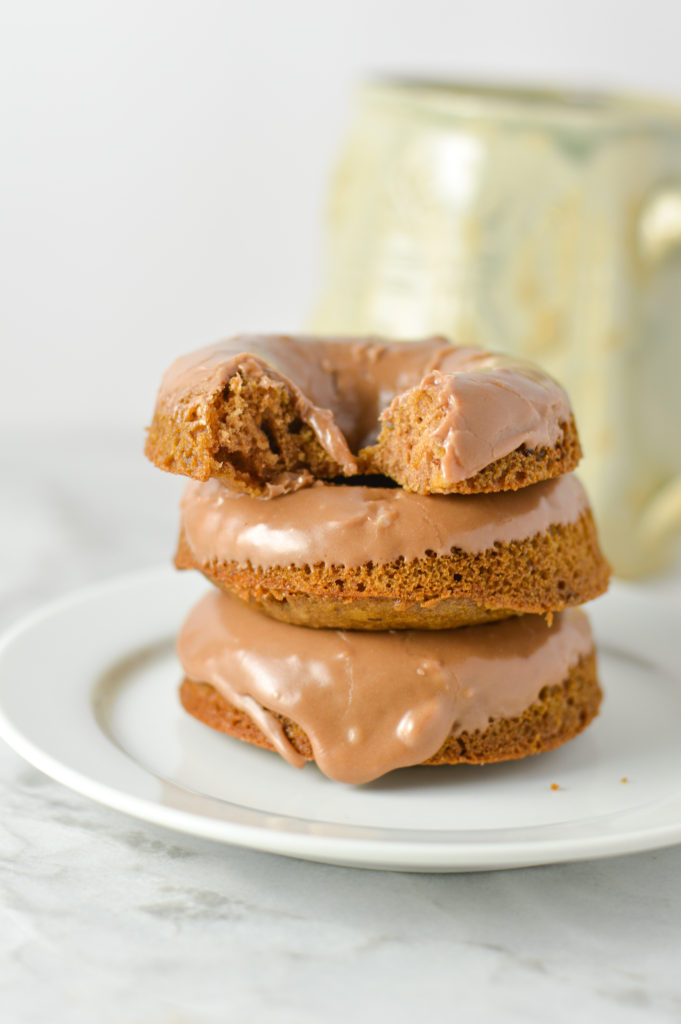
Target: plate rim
{"points": [[424, 854]]}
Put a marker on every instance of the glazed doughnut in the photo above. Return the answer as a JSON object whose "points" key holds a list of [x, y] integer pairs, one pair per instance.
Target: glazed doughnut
{"points": [[373, 558], [270, 414], [363, 704]]}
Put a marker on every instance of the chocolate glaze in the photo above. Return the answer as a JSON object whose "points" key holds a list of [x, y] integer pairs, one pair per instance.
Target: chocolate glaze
{"points": [[347, 526], [372, 702], [490, 404]]}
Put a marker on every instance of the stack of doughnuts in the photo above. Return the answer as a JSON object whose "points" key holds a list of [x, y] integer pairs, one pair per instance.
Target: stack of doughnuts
{"points": [[397, 545]]}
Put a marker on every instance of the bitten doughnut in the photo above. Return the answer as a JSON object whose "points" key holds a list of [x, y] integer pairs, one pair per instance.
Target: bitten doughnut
{"points": [[372, 558], [363, 704], [270, 414]]}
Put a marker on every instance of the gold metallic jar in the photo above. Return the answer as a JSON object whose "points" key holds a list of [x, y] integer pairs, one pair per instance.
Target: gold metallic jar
{"points": [[540, 223]]}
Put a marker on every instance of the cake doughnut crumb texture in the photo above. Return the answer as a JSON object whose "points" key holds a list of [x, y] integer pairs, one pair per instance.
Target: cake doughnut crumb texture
{"points": [[270, 414]]}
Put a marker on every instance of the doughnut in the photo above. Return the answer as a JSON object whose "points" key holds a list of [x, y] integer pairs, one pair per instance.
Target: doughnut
{"points": [[271, 414], [363, 704], [373, 558], [413, 505]]}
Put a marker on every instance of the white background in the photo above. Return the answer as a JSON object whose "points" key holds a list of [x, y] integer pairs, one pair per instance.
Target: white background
{"points": [[164, 162]]}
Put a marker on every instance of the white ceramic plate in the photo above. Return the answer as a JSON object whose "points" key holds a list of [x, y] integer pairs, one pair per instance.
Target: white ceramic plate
{"points": [[88, 695]]}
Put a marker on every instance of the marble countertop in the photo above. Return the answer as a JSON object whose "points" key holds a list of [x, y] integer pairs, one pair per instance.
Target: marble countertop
{"points": [[107, 919]]}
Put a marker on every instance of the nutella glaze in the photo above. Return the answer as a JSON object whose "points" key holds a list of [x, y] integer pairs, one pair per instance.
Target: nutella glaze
{"points": [[373, 702], [345, 525], [491, 404]]}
